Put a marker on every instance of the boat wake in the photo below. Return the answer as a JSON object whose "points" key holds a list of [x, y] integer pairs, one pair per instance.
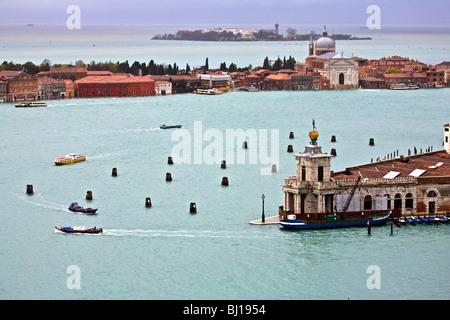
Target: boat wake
{"points": [[182, 234], [39, 201]]}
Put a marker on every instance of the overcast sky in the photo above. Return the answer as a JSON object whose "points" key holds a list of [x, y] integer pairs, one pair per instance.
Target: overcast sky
{"points": [[226, 12]]}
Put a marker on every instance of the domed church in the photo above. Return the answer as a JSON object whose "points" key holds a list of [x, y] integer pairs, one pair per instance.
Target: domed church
{"points": [[342, 71]]}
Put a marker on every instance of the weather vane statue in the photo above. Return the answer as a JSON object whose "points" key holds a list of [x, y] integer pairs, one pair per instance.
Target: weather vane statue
{"points": [[313, 135]]}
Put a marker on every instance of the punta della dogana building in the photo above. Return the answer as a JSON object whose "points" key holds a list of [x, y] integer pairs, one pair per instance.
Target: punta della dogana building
{"points": [[418, 184]]}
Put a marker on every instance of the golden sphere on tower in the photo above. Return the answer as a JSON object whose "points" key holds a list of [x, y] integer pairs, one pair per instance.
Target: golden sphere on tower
{"points": [[313, 135]]}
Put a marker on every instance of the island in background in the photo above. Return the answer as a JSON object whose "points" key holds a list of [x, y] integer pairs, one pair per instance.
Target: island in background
{"points": [[234, 34]]}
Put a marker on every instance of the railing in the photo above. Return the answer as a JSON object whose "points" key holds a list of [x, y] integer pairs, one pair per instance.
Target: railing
{"points": [[293, 182]]}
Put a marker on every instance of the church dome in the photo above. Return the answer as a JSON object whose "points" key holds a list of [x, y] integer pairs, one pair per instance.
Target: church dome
{"points": [[325, 43]]}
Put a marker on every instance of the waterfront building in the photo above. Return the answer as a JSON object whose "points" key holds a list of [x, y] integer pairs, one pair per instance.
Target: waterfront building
{"points": [[49, 88], [217, 81], [435, 78], [117, 85], [280, 81], [3, 89], [416, 184], [163, 88], [72, 73], [372, 83], [21, 85], [397, 62], [70, 89], [249, 81]]}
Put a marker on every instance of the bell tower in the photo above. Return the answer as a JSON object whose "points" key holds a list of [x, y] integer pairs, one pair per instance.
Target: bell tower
{"points": [[313, 165]]}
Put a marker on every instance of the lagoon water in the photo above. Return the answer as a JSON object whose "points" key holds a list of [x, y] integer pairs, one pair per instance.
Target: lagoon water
{"points": [[164, 252]]}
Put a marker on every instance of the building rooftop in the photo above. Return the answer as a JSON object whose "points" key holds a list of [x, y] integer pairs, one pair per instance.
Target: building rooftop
{"points": [[115, 78], [430, 164]]}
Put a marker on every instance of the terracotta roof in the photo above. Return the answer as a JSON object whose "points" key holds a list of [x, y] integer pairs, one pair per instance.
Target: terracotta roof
{"points": [[8, 74], [115, 78], [436, 163], [281, 76], [67, 69], [372, 79]]}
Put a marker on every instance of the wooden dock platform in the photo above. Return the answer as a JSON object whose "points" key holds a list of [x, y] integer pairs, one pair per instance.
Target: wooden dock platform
{"points": [[267, 221]]}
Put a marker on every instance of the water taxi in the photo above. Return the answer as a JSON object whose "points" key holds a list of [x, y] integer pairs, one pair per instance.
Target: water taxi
{"points": [[208, 91], [31, 104], [70, 158]]}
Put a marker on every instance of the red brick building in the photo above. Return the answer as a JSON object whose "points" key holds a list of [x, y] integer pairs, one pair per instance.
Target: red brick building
{"points": [[21, 85], [391, 62], [117, 85]]}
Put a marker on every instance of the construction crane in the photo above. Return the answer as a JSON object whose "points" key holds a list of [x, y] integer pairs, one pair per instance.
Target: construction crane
{"points": [[344, 209]]}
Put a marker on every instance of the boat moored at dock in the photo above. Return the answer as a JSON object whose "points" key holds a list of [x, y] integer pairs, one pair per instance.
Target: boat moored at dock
{"points": [[334, 221]]}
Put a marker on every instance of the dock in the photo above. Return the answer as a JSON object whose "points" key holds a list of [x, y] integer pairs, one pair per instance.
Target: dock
{"points": [[267, 221]]}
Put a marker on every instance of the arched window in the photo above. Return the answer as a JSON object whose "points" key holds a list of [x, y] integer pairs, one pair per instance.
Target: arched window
{"points": [[409, 201], [388, 201], [368, 202], [398, 201], [341, 78], [432, 193]]}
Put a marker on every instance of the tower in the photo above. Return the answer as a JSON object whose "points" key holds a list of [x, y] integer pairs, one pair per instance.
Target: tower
{"points": [[312, 164], [311, 44], [276, 28]]}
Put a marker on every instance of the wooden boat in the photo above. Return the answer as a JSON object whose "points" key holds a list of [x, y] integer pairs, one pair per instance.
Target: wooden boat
{"points": [[31, 104], [76, 208], [163, 126], [70, 158], [334, 221], [93, 230]]}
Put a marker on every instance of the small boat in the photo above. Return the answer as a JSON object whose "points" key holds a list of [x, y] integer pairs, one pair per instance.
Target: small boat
{"points": [[76, 208], [80, 229], [30, 104], [170, 127], [335, 222], [208, 91], [70, 158]]}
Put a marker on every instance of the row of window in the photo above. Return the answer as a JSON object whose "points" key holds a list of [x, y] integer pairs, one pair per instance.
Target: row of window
{"points": [[398, 201]]}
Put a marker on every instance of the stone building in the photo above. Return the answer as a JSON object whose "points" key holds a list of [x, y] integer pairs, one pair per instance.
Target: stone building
{"points": [[409, 185]]}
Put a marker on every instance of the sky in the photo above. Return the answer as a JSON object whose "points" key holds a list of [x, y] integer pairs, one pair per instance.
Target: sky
{"points": [[407, 13]]}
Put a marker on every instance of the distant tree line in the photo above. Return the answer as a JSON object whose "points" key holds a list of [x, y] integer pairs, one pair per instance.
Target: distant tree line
{"points": [[137, 67], [151, 68], [279, 64]]}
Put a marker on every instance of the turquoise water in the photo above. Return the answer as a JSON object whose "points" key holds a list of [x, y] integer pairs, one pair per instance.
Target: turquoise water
{"points": [[164, 252], [61, 45]]}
